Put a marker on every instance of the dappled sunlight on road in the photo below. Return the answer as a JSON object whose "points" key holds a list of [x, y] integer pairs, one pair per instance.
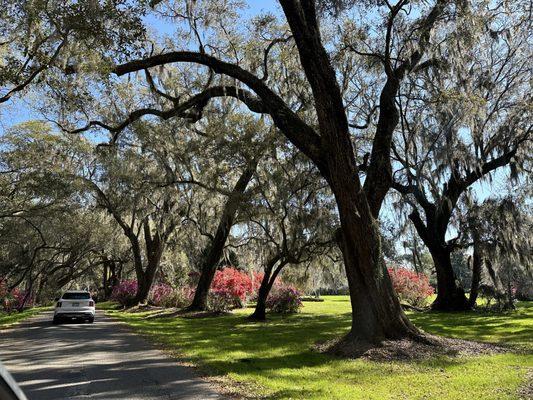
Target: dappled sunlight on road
{"points": [[93, 361]]}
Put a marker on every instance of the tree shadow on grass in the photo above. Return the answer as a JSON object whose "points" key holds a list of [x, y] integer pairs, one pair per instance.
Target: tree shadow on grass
{"points": [[511, 328], [277, 349]]}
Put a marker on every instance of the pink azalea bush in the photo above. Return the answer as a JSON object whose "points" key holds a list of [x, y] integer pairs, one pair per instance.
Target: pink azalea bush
{"points": [[284, 299], [222, 301], [161, 294], [125, 291], [164, 295], [411, 287]]}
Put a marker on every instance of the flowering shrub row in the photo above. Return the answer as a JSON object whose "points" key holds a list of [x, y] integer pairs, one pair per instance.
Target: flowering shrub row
{"points": [[231, 288], [411, 287]]}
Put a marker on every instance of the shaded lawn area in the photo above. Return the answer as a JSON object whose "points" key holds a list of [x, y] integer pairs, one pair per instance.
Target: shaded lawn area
{"points": [[275, 359], [12, 318]]}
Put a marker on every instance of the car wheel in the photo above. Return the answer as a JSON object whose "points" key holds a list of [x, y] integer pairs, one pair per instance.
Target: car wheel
{"points": [[91, 320], [56, 321]]}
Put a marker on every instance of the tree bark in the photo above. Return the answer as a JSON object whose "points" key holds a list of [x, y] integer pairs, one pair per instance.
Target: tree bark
{"points": [[450, 297], [269, 278], [376, 310], [477, 262], [110, 278], [216, 247], [154, 251], [105, 282]]}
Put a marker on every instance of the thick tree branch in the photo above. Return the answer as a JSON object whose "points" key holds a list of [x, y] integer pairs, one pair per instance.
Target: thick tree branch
{"points": [[297, 131]]}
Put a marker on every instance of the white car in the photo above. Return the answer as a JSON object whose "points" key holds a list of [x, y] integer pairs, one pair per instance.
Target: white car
{"points": [[74, 304]]}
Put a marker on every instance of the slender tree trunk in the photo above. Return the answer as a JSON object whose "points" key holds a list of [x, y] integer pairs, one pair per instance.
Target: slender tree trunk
{"points": [[40, 287], [105, 281], [415, 264], [209, 264], [477, 263], [510, 302], [113, 279], [269, 278], [154, 251]]}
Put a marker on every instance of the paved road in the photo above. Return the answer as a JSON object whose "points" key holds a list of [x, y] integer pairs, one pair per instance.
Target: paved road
{"points": [[99, 361]]}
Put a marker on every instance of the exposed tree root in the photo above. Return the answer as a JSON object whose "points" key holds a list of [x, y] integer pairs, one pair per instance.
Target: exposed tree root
{"points": [[142, 308], [406, 306], [421, 347], [185, 313]]}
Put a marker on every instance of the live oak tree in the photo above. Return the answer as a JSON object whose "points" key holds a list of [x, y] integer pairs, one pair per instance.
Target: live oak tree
{"points": [[125, 181], [312, 116], [228, 162], [463, 119]]}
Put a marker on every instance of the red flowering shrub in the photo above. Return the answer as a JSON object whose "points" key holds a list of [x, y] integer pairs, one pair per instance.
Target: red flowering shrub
{"points": [[230, 289], [411, 287], [284, 299], [125, 291], [14, 300], [257, 278]]}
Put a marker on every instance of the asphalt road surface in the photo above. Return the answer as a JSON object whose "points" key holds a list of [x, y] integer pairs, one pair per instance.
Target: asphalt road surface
{"points": [[94, 361]]}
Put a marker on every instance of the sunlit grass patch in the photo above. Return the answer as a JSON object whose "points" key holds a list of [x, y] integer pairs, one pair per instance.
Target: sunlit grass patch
{"points": [[7, 319], [275, 359]]}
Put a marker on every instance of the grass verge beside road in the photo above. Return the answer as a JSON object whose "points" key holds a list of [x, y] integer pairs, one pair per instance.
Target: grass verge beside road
{"points": [[8, 319], [275, 359]]}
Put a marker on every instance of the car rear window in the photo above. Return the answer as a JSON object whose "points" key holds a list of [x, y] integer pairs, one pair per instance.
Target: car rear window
{"points": [[76, 296]]}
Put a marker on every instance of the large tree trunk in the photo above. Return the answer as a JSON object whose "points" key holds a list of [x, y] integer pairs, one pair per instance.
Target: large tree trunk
{"points": [[450, 296], [376, 310], [146, 280], [213, 254], [143, 289], [259, 313]]}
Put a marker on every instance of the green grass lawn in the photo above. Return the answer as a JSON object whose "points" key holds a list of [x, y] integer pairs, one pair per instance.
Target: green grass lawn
{"points": [[15, 317], [275, 359]]}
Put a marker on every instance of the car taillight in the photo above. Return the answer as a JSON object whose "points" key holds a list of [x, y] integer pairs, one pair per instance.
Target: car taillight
{"points": [[58, 304], [91, 303]]}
